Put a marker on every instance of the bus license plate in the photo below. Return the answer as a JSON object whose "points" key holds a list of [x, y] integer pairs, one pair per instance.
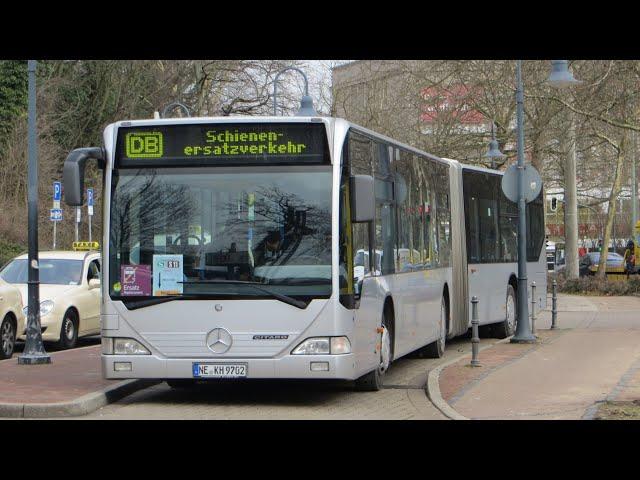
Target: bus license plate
{"points": [[220, 370]]}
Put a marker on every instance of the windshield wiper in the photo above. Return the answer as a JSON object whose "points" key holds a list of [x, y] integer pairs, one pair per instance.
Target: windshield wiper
{"points": [[258, 286]]}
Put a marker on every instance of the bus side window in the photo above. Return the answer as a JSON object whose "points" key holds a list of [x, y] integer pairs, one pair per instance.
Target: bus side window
{"points": [[407, 253], [385, 231]]}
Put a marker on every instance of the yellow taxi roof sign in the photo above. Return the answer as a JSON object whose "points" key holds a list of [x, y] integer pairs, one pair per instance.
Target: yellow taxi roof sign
{"points": [[85, 246]]}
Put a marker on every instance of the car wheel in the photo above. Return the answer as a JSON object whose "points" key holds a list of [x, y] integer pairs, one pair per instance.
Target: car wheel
{"points": [[7, 337], [68, 331], [372, 381], [508, 326]]}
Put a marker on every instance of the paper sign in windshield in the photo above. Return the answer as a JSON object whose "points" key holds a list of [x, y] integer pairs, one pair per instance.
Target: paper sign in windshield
{"points": [[167, 275], [136, 280]]}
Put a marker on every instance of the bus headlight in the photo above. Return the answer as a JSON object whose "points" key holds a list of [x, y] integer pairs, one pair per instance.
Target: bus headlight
{"points": [[129, 346], [323, 346]]}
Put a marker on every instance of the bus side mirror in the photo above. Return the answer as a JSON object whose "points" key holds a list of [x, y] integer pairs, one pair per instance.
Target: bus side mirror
{"points": [[73, 173], [362, 198]]}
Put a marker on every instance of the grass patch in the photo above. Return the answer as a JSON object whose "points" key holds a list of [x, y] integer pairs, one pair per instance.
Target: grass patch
{"points": [[619, 411], [593, 285]]}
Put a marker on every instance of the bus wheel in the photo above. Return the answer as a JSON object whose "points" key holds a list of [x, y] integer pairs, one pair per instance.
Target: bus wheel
{"points": [[372, 381], [508, 326], [436, 349], [68, 331]]}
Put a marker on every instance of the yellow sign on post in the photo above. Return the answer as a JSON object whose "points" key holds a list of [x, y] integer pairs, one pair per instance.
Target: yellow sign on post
{"points": [[85, 246]]}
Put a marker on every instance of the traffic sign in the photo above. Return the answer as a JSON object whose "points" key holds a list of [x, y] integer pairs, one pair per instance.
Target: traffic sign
{"points": [[55, 215], [57, 194], [90, 200], [532, 183]]}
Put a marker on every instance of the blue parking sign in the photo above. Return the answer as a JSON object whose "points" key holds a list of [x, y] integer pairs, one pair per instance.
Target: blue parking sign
{"points": [[57, 191], [55, 215], [90, 197]]}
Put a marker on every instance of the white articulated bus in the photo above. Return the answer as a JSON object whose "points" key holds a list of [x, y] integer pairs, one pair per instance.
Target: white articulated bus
{"points": [[294, 247]]}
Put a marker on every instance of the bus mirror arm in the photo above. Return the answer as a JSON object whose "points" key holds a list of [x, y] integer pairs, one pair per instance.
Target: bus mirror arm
{"points": [[362, 198], [73, 173]]}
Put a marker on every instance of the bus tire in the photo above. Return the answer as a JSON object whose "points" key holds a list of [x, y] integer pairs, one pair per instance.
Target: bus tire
{"points": [[7, 337], [68, 331], [508, 326], [372, 381], [436, 349]]}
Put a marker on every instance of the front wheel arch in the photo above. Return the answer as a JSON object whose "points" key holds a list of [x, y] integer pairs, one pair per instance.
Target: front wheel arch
{"points": [[389, 310]]}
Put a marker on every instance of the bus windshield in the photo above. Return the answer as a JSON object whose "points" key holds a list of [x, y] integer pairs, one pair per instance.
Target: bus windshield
{"points": [[202, 232]]}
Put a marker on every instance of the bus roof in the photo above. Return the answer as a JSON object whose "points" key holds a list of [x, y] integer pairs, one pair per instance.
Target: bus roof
{"points": [[330, 121]]}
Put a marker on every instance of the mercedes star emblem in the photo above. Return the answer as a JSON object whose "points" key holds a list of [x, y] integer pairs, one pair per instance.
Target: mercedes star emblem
{"points": [[219, 340]]}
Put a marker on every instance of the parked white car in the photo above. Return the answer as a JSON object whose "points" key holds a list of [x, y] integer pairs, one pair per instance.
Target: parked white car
{"points": [[69, 294], [12, 319]]}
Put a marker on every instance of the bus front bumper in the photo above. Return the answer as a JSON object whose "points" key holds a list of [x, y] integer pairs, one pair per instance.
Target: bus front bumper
{"points": [[291, 366]]}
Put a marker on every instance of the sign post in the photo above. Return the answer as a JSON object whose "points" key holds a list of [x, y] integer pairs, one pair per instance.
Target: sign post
{"points": [[57, 194], [90, 208], [78, 218]]}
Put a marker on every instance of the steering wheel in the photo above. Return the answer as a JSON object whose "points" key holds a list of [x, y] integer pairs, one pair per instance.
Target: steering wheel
{"points": [[187, 237]]}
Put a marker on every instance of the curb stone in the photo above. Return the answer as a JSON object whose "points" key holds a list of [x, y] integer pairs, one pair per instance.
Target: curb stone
{"points": [[433, 385], [80, 406]]}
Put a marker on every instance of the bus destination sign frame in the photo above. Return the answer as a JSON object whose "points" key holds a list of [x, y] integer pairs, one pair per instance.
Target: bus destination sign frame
{"points": [[212, 144]]}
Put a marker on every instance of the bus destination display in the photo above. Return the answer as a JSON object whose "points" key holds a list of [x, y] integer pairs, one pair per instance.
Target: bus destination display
{"points": [[228, 144]]}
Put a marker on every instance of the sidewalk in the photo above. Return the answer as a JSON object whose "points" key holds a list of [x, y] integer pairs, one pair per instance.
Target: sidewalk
{"points": [[593, 357], [71, 385]]}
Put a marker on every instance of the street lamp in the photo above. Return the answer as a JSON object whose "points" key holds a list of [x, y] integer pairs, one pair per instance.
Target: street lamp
{"points": [[560, 76], [494, 152], [306, 104], [33, 353], [172, 106]]}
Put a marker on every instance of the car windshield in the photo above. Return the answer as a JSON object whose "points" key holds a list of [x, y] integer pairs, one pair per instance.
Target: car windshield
{"points": [[52, 271], [182, 231]]}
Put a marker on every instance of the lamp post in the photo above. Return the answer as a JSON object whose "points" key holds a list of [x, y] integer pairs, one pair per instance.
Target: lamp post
{"points": [[560, 76], [33, 353], [494, 149], [523, 329], [172, 106], [306, 104]]}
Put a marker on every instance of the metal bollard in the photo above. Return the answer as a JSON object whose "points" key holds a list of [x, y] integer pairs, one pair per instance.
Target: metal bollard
{"points": [[475, 337], [554, 305], [533, 308]]}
